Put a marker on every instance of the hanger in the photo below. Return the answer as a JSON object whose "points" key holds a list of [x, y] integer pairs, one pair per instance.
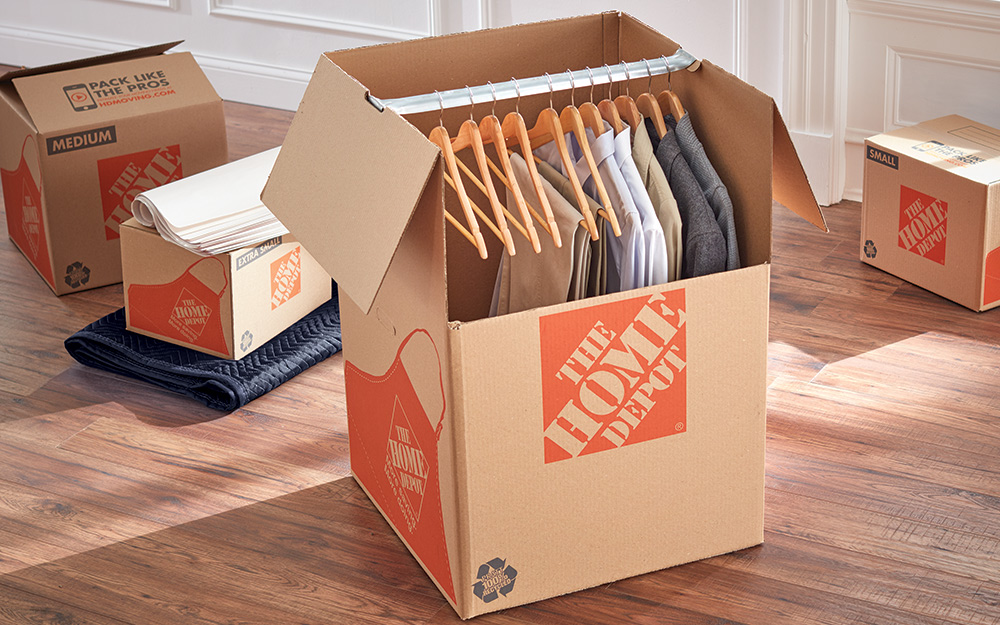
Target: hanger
{"points": [[649, 107], [492, 131], [548, 125], [589, 111], [668, 99], [469, 135], [626, 105], [439, 136], [513, 127], [607, 108]]}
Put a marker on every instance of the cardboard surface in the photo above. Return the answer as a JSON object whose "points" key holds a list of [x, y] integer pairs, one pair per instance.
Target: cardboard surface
{"points": [[91, 149], [930, 207], [538, 453], [226, 305]]}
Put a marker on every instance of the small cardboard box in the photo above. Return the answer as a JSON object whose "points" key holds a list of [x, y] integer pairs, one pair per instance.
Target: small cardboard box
{"points": [[226, 305], [79, 140], [534, 454], [931, 208]]}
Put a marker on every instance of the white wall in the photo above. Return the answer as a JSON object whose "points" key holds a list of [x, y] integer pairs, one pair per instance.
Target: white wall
{"points": [[263, 51]]}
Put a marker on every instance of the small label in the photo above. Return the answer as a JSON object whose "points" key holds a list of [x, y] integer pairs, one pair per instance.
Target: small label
{"points": [[256, 252], [923, 224], [877, 155], [613, 374], [77, 274], [494, 578], [80, 140], [123, 177]]}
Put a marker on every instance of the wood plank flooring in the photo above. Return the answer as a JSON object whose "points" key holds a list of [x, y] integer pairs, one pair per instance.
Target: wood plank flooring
{"points": [[120, 503]]}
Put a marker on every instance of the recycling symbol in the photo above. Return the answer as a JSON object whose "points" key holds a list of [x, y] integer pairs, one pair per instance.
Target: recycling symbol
{"points": [[246, 341], [77, 275], [870, 249], [495, 578]]}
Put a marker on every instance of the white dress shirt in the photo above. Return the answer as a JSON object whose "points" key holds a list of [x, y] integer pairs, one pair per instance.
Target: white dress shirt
{"points": [[628, 252], [657, 270]]}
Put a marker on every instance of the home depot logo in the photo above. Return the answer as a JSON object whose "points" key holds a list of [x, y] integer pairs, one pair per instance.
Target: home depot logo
{"points": [[189, 316], [285, 278], [406, 466], [124, 177], [31, 220], [614, 374], [923, 224]]}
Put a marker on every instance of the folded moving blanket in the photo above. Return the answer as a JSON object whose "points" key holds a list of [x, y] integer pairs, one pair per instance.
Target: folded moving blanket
{"points": [[216, 382]]}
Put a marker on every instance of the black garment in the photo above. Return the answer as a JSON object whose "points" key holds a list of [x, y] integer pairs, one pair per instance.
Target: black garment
{"points": [[704, 245], [216, 382]]}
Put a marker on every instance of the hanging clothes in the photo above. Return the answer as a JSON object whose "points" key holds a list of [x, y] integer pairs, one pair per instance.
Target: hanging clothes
{"points": [[704, 245], [663, 200], [656, 270], [711, 184]]}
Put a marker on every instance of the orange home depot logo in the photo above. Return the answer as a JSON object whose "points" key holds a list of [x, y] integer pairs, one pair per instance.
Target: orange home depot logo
{"points": [[923, 224], [285, 278], [614, 374], [406, 466], [991, 285], [124, 177]]}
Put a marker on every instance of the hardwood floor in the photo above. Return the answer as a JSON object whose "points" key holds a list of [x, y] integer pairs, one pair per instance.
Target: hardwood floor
{"points": [[120, 503]]}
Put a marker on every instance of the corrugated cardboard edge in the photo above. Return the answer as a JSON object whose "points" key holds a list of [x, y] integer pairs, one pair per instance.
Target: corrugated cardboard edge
{"points": [[102, 59], [458, 412], [789, 184]]}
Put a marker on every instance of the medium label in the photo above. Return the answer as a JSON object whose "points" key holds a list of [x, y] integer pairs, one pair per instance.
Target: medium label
{"points": [[80, 140], [923, 224], [613, 375]]}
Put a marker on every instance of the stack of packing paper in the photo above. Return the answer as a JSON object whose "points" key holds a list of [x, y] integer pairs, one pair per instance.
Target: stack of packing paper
{"points": [[215, 211]]}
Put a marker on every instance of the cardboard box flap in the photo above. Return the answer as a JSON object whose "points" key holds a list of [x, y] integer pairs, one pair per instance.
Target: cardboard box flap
{"points": [[789, 184], [113, 57], [135, 86], [347, 180]]}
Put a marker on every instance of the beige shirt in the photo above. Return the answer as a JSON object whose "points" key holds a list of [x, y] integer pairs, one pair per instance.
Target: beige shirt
{"points": [[662, 197], [553, 276], [593, 272]]}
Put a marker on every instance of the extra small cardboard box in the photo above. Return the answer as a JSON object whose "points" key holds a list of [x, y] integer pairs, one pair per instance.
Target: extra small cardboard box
{"points": [[226, 305], [534, 454], [931, 209], [79, 140]]}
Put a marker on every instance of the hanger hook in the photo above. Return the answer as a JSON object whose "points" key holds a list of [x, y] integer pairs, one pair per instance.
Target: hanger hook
{"points": [[549, 78], [493, 89], [517, 88], [441, 110], [649, 85], [472, 103], [572, 87], [628, 79], [669, 72], [591, 74], [611, 79]]}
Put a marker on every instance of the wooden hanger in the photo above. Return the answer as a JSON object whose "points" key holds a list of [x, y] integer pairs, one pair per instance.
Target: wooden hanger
{"points": [[492, 131], [668, 99], [439, 136], [591, 114], [513, 127], [626, 105], [469, 135], [649, 107], [608, 110]]}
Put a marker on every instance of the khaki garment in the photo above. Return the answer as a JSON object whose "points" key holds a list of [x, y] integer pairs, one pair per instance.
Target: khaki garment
{"points": [[595, 273], [663, 198], [528, 280]]}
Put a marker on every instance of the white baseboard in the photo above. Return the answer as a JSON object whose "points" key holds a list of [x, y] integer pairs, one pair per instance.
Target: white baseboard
{"points": [[235, 80]]}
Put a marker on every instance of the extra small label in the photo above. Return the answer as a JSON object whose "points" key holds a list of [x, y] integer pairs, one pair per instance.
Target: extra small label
{"points": [[257, 252], [80, 140], [885, 158]]}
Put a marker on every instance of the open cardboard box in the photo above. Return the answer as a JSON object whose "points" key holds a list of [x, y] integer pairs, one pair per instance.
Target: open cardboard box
{"points": [[931, 210], [79, 140], [534, 454]]}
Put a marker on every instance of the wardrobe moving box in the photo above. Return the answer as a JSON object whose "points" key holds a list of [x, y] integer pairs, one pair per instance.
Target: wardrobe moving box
{"points": [[931, 209], [226, 305], [534, 454], [79, 140]]}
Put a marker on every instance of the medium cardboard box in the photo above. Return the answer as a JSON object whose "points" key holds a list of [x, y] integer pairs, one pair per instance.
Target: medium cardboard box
{"points": [[79, 140], [534, 454], [226, 305], [931, 208]]}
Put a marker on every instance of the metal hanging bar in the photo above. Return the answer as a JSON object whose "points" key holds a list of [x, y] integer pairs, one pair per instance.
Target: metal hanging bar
{"points": [[481, 94]]}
